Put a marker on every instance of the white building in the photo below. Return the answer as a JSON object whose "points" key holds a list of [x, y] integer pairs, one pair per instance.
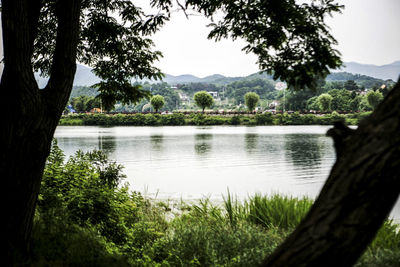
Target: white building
{"points": [[213, 94]]}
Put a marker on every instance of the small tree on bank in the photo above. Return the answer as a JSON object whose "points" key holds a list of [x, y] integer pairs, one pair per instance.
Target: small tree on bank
{"points": [[203, 100], [325, 101], [251, 99], [157, 102]]}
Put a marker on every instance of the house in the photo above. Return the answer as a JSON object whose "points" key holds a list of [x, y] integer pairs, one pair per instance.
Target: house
{"points": [[273, 104], [183, 97], [214, 94]]}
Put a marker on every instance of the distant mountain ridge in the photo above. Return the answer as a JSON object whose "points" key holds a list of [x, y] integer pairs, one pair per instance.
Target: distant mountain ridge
{"points": [[384, 72], [85, 77], [217, 79]]}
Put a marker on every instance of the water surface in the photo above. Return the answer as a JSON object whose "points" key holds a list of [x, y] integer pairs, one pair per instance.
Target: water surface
{"points": [[195, 162]]}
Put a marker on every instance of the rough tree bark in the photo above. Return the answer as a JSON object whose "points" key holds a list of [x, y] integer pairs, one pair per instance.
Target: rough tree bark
{"points": [[359, 194], [29, 115]]}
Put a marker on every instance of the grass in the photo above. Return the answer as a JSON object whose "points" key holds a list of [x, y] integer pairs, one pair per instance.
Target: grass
{"points": [[200, 234], [93, 220]]}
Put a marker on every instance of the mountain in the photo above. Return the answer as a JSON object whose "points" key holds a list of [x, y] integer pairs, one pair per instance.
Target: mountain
{"points": [[384, 72], [185, 78], [216, 79], [83, 77]]}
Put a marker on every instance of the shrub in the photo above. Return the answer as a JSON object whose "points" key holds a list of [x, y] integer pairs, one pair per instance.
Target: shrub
{"points": [[264, 119], [150, 120], [235, 120]]}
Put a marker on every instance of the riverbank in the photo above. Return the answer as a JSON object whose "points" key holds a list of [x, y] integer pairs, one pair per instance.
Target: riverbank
{"points": [[180, 119], [87, 217]]}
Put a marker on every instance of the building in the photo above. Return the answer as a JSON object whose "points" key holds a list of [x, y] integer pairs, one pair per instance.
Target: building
{"points": [[214, 94]]}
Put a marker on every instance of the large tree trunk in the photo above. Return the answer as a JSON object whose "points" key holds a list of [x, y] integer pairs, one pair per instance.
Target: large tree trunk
{"points": [[359, 194], [29, 115]]}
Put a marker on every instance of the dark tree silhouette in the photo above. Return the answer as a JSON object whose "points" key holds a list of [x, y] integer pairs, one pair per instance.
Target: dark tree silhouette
{"points": [[50, 36]]}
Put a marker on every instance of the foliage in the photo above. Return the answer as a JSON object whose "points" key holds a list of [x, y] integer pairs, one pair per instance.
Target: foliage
{"points": [[351, 85], [203, 99], [297, 100], [86, 218], [251, 99], [83, 90], [374, 98], [113, 39], [157, 102], [296, 49], [177, 119], [325, 101], [85, 103], [238, 89], [341, 99], [192, 88], [264, 119]]}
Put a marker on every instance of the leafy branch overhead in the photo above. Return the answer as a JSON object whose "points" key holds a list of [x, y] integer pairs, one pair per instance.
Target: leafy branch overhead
{"points": [[113, 40], [291, 39]]}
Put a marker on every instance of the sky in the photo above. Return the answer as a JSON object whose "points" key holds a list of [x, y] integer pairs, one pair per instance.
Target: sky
{"points": [[367, 33]]}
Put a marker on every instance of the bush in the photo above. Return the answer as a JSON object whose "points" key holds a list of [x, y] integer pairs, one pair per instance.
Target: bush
{"points": [[264, 119], [235, 120]]}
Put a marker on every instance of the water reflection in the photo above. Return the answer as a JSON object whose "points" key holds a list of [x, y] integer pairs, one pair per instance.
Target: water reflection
{"points": [[106, 143], [156, 142], [304, 150], [251, 141], [202, 144]]}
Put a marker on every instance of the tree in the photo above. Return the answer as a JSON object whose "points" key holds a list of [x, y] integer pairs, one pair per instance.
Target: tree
{"points": [[203, 100], [157, 102], [85, 103], [351, 85], [374, 98], [51, 36], [340, 99], [251, 99], [325, 101]]}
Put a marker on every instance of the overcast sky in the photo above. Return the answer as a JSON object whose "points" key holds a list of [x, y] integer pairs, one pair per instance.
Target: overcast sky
{"points": [[367, 31]]}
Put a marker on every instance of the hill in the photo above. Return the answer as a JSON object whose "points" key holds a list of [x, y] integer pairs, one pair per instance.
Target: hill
{"points": [[361, 73], [384, 72]]}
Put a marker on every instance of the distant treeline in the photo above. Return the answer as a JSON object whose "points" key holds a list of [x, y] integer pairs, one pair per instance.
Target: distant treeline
{"points": [[180, 119]]}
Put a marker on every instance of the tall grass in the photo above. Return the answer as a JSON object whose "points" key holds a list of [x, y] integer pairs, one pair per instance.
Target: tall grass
{"points": [[284, 212], [278, 211]]}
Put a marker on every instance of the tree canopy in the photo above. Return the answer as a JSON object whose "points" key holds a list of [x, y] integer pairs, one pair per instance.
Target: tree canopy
{"points": [[113, 39], [251, 99], [157, 102], [290, 38], [203, 99], [325, 102]]}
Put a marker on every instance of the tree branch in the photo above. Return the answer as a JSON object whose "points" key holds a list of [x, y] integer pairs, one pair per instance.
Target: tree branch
{"points": [[63, 68], [339, 133], [17, 54], [34, 7]]}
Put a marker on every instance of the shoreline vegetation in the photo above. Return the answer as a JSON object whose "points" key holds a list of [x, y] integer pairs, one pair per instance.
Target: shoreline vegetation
{"points": [[86, 216], [182, 119]]}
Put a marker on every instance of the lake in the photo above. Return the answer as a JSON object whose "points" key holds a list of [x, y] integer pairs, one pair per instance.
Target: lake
{"points": [[192, 162]]}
